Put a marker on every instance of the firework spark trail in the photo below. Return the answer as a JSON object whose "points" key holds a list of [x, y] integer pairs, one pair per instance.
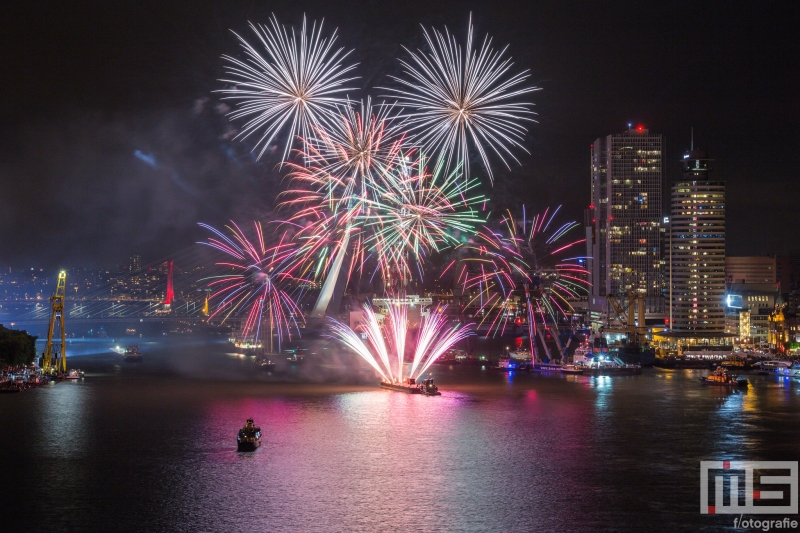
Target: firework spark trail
{"points": [[258, 281], [363, 194], [453, 99], [296, 82], [397, 328], [435, 339], [527, 262], [420, 213], [351, 339], [336, 187]]}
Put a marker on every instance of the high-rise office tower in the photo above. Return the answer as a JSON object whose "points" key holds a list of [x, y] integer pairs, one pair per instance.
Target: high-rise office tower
{"points": [[624, 233], [135, 263], [696, 257]]}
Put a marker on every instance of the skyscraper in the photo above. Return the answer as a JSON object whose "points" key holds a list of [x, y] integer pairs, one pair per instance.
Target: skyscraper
{"points": [[624, 233], [697, 249], [135, 263]]}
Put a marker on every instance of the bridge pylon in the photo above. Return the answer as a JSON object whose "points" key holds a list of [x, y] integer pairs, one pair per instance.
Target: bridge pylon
{"points": [[49, 364]]}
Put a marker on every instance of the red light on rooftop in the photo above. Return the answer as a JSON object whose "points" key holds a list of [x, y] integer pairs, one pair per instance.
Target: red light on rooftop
{"points": [[639, 128]]}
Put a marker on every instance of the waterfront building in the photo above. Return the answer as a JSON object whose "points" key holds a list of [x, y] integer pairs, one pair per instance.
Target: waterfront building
{"points": [[748, 308], [696, 260], [750, 269], [624, 219]]}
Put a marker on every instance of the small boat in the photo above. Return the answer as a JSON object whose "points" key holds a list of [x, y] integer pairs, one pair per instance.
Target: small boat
{"points": [[265, 363], [132, 353], [506, 364], [571, 369], [723, 378], [72, 375], [766, 368], [429, 388], [249, 438], [603, 365]]}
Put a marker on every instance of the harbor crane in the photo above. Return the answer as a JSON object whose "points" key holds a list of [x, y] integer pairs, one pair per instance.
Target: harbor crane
{"points": [[49, 364], [626, 322]]}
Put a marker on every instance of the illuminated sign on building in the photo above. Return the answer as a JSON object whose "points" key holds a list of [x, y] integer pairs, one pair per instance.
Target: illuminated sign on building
{"points": [[734, 301]]}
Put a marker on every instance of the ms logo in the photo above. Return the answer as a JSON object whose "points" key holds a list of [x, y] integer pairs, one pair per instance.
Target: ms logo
{"points": [[753, 487]]}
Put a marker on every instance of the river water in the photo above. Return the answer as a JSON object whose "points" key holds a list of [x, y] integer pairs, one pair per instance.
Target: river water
{"points": [[151, 447]]}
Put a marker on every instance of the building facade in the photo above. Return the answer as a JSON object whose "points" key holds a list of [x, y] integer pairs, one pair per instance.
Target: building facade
{"points": [[696, 259], [625, 217], [749, 308], [750, 269]]}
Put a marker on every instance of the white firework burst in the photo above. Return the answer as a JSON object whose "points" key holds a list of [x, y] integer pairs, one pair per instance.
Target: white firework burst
{"points": [[454, 99], [295, 82]]}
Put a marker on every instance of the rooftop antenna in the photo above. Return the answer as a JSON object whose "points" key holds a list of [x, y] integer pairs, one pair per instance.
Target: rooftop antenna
{"points": [[692, 138]]}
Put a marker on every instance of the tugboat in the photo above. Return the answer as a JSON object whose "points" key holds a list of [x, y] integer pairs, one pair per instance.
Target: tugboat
{"points": [[429, 388], [249, 438], [722, 377]]}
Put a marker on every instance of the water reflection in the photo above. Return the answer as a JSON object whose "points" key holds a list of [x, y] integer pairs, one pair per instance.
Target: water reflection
{"points": [[142, 451]]}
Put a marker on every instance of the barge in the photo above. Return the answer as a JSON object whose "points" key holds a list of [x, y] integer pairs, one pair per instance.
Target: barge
{"points": [[410, 386]]}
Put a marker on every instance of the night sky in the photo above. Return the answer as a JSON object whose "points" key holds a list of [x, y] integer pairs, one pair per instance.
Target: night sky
{"points": [[113, 142]]}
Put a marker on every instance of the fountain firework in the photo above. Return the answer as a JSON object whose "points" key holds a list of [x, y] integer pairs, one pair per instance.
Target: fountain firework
{"points": [[387, 340]]}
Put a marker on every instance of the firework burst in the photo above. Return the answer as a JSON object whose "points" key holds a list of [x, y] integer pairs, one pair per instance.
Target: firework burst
{"points": [[454, 98], [422, 212], [527, 263], [295, 82], [255, 284]]}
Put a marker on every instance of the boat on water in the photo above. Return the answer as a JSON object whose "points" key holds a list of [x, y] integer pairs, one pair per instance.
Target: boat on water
{"points": [[546, 367], [788, 371], [604, 365], [582, 354], [132, 354], [773, 367], [266, 362], [249, 438], [429, 388], [411, 386], [723, 378], [506, 364], [408, 386], [571, 369], [71, 375], [245, 345]]}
